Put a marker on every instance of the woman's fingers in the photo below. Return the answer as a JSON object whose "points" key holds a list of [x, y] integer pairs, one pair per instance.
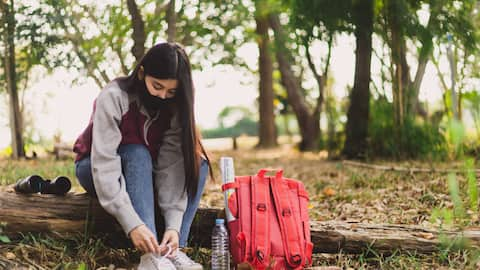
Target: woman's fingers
{"points": [[149, 245], [170, 238], [140, 246], [144, 240], [155, 244]]}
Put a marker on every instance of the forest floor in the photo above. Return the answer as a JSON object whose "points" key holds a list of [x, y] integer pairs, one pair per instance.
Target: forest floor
{"points": [[337, 192]]}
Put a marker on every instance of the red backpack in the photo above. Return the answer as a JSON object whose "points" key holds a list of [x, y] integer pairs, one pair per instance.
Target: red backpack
{"points": [[271, 227]]}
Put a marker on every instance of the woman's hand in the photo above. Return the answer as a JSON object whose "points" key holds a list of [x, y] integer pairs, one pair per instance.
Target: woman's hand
{"points": [[170, 238], [144, 240]]}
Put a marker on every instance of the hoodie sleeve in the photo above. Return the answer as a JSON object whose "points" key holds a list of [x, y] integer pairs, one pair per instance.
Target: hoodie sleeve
{"points": [[106, 163], [170, 177]]}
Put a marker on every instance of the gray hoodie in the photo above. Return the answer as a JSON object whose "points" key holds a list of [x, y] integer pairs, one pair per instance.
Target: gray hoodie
{"points": [[110, 126]]}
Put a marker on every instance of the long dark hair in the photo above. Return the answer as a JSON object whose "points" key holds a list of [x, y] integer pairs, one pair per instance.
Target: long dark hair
{"points": [[170, 61]]}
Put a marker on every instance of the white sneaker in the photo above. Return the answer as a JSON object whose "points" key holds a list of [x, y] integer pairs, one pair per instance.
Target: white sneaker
{"points": [[183, 262], [151, 261]]}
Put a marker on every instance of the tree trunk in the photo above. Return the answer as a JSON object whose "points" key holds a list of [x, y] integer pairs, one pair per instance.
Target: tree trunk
{"points": [[171, 21], [330, 112], [267, 130], [16, 129], [77, 213], [414, 105], [321, 82], [358, 111], [397, 41], [138, 35], [309, 124]]}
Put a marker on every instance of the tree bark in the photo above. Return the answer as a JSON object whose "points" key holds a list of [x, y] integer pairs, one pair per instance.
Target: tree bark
{"points": [[138, 35], [414, 105], [267, 131], [397, 44], [77, 213], [309, 123], [358, 111], [171, 21], [424, 56], [16, 129]]}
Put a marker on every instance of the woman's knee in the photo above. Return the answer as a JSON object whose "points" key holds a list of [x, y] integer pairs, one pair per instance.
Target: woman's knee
{"points": [[84, 175], [136, 154]]}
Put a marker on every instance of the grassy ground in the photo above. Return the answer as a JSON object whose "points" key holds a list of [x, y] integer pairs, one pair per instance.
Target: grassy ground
{"points": [[337, 192]]}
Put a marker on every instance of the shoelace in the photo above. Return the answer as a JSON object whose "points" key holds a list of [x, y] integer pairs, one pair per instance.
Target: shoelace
{"points": [[161, 258], [182, 259]]}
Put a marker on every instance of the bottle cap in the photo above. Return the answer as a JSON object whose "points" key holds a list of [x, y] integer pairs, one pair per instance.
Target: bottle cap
{"points": [[219, 221]]}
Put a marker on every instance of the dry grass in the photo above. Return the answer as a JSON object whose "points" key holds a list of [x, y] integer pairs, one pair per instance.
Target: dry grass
{"points": [[337, 192]]}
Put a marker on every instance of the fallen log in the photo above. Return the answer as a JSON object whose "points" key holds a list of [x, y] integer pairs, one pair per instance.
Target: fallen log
{"points": [[76, 213]]}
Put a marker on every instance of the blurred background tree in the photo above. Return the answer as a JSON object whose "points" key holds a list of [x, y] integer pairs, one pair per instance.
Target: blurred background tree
{"points": [[382, 116]]}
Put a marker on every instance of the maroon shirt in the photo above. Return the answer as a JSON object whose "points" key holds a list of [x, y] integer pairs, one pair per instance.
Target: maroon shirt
{"points": [[136, 128]]}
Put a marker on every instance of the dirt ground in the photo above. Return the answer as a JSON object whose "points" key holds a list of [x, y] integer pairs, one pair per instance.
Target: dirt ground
{"points": [[337, 191]]}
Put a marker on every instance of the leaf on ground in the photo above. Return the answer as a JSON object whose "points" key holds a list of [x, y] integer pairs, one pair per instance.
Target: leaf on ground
{"points": [[4, 239], [10, 255], [329, 191], [425, 235]]}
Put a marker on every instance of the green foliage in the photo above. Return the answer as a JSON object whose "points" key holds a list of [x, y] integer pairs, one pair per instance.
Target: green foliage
{"points": [[443, 214], [455, 136], [465, 203], [233, 114], [318, 17], [449, 245], [244, 126], [472, 189], [472, 104], [3, 238], [47, 168], [214, 30], [233, 121], [458, 211], [420, 140], [82, 266]]}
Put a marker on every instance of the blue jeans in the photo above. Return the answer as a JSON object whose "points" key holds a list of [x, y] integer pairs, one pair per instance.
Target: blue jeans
{"points": [[137, 170]]}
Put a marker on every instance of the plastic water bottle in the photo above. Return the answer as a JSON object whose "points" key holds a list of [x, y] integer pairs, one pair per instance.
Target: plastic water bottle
{"points": [[220, 250]]}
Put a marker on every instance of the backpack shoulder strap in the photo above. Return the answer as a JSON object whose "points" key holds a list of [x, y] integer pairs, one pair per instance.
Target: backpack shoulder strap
{"points": [[290, 234], [260, 221]]}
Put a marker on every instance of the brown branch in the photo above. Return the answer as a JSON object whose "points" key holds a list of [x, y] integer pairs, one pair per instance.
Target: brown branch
{"points": [[115, 47], [76, 39], [171, 21], [405, 169], [138, 34]]}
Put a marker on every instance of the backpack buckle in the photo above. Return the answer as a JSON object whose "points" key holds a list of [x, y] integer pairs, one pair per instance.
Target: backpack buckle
{"points": [[286, 212], [261, 207], [260, 255], [297, 259]]}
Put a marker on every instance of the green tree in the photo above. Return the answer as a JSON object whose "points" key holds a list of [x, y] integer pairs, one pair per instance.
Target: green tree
{"points": [[8, 29], [328, 17], [26, 40], [304, 26], [404, 23]]}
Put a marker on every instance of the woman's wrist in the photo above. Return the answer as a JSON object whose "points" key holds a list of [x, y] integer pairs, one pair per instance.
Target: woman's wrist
{"points": [[173, 229], [134, 228]]}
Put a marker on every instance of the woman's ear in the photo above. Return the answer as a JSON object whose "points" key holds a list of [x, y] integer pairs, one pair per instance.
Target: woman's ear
{"points": [[141, 73]]}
